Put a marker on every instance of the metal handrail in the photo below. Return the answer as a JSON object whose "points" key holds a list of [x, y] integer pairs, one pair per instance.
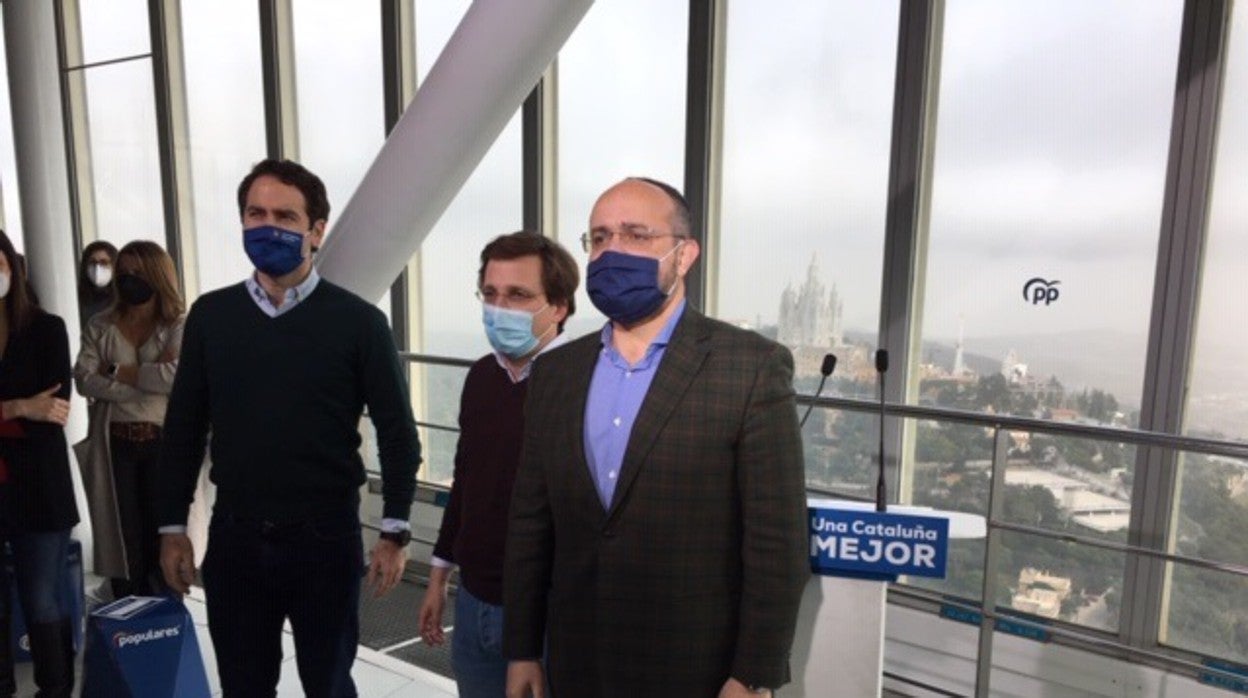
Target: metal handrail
{"points": [[1141, 437], [1228, 567], [1004, 423], [1081, 634], [435, 359]]}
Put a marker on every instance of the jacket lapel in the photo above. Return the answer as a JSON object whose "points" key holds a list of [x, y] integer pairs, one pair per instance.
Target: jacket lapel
{"points": [[681, 362]]}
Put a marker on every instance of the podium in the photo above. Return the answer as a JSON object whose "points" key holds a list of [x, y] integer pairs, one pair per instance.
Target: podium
{"points": [[70, 590], [838, 649], [143, 646]]}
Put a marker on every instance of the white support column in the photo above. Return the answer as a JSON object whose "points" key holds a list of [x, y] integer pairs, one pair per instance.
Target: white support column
{"points": [[492, 61], [39, 142]]}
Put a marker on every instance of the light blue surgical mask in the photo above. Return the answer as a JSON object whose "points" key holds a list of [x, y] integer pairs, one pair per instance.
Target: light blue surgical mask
{"points": [[511, 331]]}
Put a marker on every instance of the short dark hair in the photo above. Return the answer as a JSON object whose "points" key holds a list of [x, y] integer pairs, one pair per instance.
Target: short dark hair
{"points": [[560, 276], [291, 173], [682, 220], [19, 304]]}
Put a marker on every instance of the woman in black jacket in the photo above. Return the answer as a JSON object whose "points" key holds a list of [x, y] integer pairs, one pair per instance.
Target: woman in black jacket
{"points": [[37, 507]]}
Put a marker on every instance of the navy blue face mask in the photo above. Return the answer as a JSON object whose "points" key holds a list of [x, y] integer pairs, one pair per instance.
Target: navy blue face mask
{"points": [[273, 250], [625, 287]]}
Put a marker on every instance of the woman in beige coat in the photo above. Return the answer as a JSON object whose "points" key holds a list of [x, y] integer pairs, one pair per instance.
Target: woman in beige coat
{"points": [[126, 366]]}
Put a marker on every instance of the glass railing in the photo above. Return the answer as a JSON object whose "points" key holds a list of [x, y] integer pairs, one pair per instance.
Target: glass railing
{"points": [[1058, 501]]}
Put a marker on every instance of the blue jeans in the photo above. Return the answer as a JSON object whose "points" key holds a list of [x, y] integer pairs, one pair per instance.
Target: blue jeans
{"points": [[38, 569], [477, 648], [257, 574]]}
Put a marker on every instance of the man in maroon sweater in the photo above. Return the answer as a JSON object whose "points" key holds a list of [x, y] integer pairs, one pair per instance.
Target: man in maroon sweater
{"points": [[526, 284]]}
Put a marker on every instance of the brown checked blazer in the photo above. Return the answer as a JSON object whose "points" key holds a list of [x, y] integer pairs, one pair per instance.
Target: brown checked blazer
{"points": [[695, 571]]}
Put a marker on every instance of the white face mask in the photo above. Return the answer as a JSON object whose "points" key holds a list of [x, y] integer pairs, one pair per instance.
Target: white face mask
{"points": [[100, 274], [4, 283]]}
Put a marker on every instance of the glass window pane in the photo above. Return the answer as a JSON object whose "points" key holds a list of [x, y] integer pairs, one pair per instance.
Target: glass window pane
{"points": [[1205, 610], [1218, 394], [435, 22], [1064, 485], [440, 438], [113, 29], [341, 100], [225, 140], [1060, 581], [490, 204], [125, 162], [621, 112], [952, 470], [10, 207], [807, 124], [1050, 157]]}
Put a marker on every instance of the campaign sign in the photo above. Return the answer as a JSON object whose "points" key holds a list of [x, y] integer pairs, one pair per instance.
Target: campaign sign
{"points": [[143, 646], [70, 592], [878, 546]]}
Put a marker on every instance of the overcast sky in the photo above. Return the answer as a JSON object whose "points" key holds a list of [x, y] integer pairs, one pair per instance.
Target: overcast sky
{"points": [[1050, 155]]}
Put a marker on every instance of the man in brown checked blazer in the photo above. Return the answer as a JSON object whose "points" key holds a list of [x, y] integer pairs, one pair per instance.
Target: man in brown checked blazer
{"points": [[656, 541]]}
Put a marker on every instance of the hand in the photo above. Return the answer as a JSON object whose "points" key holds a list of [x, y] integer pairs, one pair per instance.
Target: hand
{"points": [[177, 561], [128, 374], [41, 407], [524, 679], [386, 566], [431, 608], [735, 689]]}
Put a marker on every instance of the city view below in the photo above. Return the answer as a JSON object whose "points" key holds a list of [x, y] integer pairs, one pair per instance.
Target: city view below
{"points": [[1068, 485]]}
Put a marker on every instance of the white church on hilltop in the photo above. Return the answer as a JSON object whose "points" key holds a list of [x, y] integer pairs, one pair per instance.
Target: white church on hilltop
{"points": [[810, 316]]}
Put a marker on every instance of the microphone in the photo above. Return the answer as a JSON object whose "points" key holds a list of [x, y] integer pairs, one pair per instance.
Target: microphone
{"points": [[826, 368], [881, 488]]}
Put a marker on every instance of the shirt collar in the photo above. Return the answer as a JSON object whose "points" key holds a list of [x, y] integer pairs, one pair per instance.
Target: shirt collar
{"points": [[559, 340], [292, 295]]}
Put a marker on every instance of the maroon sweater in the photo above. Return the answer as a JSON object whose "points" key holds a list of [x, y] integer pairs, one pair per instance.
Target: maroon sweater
{"points": [[474, 525]]}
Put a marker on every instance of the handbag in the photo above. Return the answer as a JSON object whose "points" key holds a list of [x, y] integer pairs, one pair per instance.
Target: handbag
{"points": [[95, 464]]}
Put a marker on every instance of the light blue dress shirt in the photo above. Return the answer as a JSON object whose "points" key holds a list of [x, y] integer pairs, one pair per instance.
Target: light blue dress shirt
{"points": [[292, 298], [616, 392]]}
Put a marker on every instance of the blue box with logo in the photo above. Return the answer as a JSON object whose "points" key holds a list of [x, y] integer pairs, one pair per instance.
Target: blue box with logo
{"points": [[143, 646]]}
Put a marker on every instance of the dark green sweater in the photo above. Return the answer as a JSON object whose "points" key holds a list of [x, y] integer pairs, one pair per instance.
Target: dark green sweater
{"points": [[282, 398]]}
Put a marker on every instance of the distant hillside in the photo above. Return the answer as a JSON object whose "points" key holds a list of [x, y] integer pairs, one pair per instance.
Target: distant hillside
{"points": [[1109, 361]]}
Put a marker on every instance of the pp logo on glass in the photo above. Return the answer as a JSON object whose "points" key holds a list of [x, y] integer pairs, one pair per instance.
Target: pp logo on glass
{"points": [[1038, 290]]}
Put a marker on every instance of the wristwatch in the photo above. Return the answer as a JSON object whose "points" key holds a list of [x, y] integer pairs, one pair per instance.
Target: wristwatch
{"points": [[400, 537], [112, 370]]}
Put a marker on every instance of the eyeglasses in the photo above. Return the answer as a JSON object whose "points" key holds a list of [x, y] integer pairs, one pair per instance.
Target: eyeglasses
{"points": [[631, 237], [513, 298]]}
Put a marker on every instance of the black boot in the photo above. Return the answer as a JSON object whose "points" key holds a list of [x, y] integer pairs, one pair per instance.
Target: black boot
{"points": [[8, 685], [52, 649]]}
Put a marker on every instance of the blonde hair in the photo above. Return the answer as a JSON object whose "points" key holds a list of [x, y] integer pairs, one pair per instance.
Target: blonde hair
{"points": [[156, 268]]}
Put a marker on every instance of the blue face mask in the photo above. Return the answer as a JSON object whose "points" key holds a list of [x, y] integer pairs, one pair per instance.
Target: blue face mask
{"points": [[511, 331], [625, 287], [273, 250]]}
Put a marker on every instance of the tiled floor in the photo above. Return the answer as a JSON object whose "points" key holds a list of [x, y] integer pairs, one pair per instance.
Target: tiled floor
{"points": [[376, 675]]}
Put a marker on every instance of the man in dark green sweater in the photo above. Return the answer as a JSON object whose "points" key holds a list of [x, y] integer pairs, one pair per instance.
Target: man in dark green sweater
{"points": [[279, 369]]}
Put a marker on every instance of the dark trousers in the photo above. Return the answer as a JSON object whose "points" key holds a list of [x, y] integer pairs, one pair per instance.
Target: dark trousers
{"points": [[39, 573], [134, 479], [38, 568], [256, 574]]}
